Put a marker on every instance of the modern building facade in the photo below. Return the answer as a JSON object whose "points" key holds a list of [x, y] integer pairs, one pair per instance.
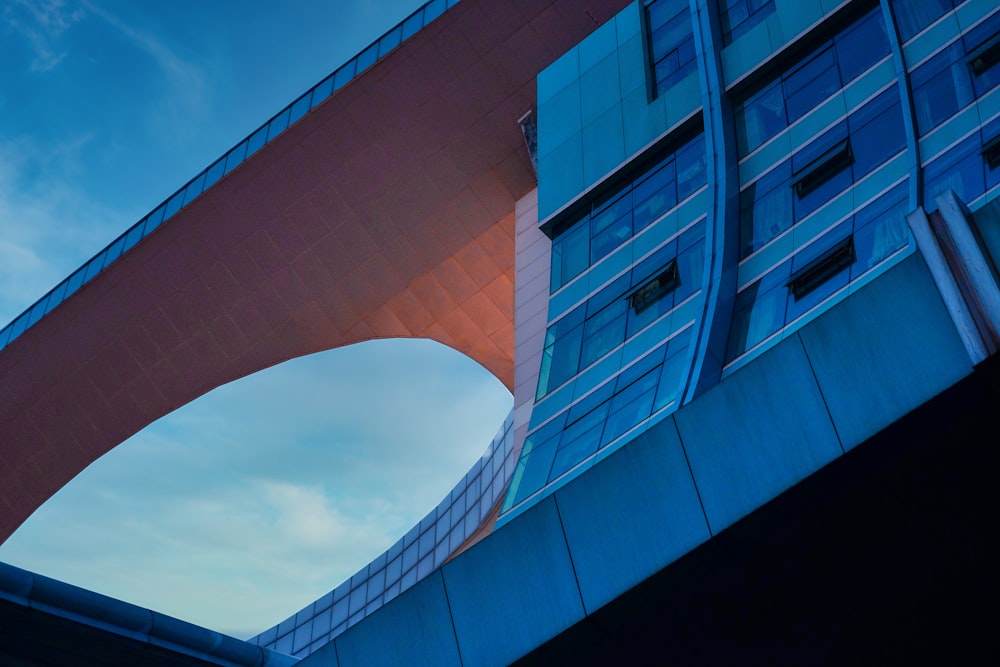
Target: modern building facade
{"points": [[722, 252]]}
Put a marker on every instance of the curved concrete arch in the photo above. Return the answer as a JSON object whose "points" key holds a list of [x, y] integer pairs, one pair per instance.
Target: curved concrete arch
{"points": [[359, 222]]}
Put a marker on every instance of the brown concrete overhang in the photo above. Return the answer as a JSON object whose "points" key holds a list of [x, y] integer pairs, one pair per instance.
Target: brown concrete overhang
{"points": [[387, 211]]}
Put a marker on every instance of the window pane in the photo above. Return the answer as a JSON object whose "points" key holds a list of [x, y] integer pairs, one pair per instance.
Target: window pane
{"points": [[912, 16], [671, 376], [691, 166], [579, 441], [811, 84], [57, 296], [755, 318], [570, 255], [234, 158], [560, 361], [766, 209], [603, 332], [299, 108], [862, 46], [760, 118], [534, 471], [878, 138], [275, 127], [941, 87]]}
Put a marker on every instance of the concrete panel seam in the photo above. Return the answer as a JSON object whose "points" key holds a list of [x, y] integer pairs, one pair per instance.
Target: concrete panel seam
{"points": [[819, 387], [694, 480], [451, 617], [569, 552]]}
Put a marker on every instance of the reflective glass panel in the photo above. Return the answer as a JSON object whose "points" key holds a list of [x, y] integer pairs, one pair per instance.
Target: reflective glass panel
{"points": [[236, 156], [299, 108], [912, 16], [215, 172]]}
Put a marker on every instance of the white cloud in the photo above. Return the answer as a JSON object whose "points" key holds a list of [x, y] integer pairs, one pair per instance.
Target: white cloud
{"points": [[41, 23], [244, 506], [186, 87], [48, 226]]}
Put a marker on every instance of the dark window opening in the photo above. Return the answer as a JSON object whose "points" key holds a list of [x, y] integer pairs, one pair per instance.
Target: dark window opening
{"points": [[823, 168], [822, 269], [985, 56], [991, 152], [655, 289]]}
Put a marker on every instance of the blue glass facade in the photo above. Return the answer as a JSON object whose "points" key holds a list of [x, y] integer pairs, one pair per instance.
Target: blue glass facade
{"points": [[744, 286], [805, 136]]}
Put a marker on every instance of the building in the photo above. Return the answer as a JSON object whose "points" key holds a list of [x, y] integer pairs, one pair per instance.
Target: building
{"points": [[756, 308]]}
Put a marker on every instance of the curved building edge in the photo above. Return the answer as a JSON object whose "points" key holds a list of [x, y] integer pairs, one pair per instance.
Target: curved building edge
{"points": [[445, 531]]}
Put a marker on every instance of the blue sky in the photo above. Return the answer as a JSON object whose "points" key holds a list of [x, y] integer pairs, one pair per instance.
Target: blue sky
{"points": [[243, 506]]}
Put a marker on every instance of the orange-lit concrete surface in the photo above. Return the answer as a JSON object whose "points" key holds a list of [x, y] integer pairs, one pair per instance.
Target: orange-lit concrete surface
{"points": [[388, 211]]}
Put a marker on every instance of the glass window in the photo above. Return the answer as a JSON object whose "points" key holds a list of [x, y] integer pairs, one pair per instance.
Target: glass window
{"points": [[880, 230], [610, 227], [615, 218], [766, 208], [654, 196], [321, 92], [962, 170], [877, 132], [115, 250], [579, 440], [602, 332], [214, 172], [133, 236], [299, 108], [671, 42], [94, 266], [37, 311], [810, 83], [759, 312], [738, 16], [234, 158], [58, 294], [802, 87], [991, 152], [690, 267], [275, 127], [76, 280], [533, 468], [344, 74], [412, 25], [174, 204], [194, 188], [823, 168], [760, 118], [390, 41], [982, 43], [861, 46], [854, 247], [827, 161], [631, 406], [912, 16], [561, 356], [570, 255], [820, 270], [671, 377], [574, 341], [367, 58], [953, 78], [941, 87], [691, 166]]}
